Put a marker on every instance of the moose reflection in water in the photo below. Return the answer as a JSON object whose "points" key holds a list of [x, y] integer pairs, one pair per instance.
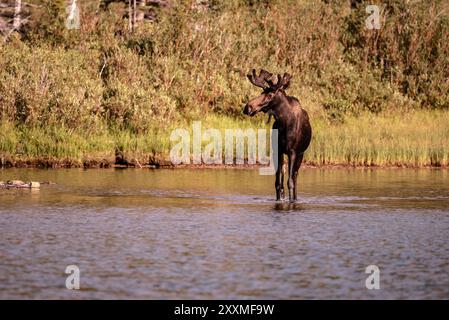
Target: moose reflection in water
{"points": [[291, 121]]}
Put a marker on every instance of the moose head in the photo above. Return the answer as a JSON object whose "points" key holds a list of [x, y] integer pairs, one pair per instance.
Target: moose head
{"points": [[271, 90]]}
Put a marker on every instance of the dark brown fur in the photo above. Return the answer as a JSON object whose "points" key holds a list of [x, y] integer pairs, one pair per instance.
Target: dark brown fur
{"points": [[291, 121]]}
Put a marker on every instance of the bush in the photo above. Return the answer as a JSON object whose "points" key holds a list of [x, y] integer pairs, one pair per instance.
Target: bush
{"points": [[191, 62], [410, 51], [46, 86]]}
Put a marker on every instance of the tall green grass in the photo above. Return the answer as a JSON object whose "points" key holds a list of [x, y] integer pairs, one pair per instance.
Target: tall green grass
{"points": [[415, 140], [420, 138]]}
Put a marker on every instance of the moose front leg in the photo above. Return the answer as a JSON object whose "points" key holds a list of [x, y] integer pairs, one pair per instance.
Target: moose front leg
{"points": [[279, 185], [282, 180]]}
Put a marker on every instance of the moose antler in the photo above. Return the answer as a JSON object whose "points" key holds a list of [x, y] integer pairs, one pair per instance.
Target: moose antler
{"points": [[263, 80], [282, 82]]}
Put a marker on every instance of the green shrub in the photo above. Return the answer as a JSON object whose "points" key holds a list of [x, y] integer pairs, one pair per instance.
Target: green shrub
{"points": [[47, 86], [190, 64]]}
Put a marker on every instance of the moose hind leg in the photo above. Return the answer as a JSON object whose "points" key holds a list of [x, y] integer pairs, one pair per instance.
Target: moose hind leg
{"points": [[297, 165], [291, 173]]}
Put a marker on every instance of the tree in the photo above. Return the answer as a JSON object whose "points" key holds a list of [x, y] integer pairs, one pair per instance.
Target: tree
{"points": [[17, 10]]}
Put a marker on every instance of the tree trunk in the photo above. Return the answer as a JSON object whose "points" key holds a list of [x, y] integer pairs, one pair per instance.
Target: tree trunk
{"points": [[72, 9], [17, 9], [130, 15], [140, 15], [134, 14]]}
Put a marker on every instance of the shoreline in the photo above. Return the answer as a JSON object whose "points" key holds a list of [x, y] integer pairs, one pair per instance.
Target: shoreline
{"points": [[48, 163], [419, 142]]}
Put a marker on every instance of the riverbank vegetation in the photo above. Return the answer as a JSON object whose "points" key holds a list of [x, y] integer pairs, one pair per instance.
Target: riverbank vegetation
{"points": [[105, 94]]}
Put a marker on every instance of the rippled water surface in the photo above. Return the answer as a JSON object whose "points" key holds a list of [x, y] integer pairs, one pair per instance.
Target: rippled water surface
{"points": [[218, 233]]}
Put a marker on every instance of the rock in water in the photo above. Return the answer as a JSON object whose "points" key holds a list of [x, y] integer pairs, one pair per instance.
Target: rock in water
{"points": [[15, 183], [19, 184]]}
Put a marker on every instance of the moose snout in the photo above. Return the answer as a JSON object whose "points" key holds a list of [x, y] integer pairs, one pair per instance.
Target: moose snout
{"points": [[247, 109]]}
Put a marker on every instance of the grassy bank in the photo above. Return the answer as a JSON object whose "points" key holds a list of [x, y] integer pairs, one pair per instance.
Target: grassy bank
{"points": [[417, 139]]}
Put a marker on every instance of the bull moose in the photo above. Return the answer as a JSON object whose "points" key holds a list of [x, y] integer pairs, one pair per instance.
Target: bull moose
{"points": [[291, 121]]}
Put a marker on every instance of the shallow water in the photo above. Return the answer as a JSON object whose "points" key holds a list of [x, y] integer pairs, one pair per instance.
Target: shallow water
{"points": [[218, 233]]}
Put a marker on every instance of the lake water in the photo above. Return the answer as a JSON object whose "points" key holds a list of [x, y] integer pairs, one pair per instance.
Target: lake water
{"points": [[219, 234]]}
